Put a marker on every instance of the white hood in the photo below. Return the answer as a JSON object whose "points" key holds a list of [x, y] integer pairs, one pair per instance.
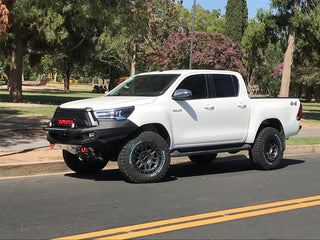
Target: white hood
{"points": [[107, 102]]}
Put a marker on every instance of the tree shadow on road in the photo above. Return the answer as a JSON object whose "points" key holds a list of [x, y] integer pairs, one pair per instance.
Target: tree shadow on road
{"points": [[226, 165]]}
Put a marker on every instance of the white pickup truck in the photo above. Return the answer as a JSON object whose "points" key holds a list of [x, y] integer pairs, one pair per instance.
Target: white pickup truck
{"points": [[154, 116]]}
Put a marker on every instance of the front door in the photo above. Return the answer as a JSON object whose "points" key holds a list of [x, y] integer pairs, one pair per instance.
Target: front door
{"points": [[191, 122]]}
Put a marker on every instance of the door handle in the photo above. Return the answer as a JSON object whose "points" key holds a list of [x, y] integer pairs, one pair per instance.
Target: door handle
{"points": [[209, 107], [242, 105]]}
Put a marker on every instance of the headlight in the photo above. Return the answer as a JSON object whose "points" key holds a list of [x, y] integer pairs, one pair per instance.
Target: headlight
{"points": [[117, 113]]}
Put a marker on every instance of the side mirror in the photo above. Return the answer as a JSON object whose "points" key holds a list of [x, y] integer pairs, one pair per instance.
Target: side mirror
{"points": [[182, 94]]}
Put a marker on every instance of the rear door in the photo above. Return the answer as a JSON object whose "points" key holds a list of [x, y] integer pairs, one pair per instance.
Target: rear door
{"points": [[231, 113]]}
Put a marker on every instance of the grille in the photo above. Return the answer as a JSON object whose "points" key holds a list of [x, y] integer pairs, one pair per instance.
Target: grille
{"points": [[79, 116]]}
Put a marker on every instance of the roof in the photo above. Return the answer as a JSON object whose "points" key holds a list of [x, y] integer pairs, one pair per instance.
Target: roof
{"points": [[192, 71]]}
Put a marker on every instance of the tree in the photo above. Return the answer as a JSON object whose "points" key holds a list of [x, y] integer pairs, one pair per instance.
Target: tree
{"points": [[84, 22], [236, 19], [291, 15], [253, 42], [29, 32], [205, 20], [147, 22], [211, 51], [209, 21], [306, 80], [51, 27], [287, 8], [6, 7], [261, 45], [113, 56]]}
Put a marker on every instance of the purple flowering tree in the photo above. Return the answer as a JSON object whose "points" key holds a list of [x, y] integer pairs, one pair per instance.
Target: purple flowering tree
{"points": [[277, 73], [210, 51]]}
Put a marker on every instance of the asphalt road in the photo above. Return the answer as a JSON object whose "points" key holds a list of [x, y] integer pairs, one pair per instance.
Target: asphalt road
{"points": [[66, 205]]}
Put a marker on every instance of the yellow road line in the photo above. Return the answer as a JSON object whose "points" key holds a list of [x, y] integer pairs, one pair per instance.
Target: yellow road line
{"points": [[209, 221], [199, 219]]}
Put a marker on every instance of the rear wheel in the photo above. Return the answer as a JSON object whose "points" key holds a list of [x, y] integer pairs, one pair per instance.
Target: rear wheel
{"points": [[145, 158], [267, 151], [83, 163], [203, 159]]}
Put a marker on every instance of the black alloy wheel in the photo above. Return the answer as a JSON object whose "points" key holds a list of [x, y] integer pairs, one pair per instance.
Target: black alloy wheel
{"points": [[267, 150], [145, 158]]}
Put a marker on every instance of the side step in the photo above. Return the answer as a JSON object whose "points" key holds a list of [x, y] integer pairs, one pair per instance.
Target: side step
{"points": [[188, 152]]}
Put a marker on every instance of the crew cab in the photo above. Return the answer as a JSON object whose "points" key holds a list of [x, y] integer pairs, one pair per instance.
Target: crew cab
{"points": [[154, 116]]}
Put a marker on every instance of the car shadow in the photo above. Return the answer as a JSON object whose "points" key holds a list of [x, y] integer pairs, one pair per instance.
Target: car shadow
{"points": [[188, 169]]}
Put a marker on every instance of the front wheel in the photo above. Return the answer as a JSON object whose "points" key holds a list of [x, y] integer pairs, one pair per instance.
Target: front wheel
{"points": [[145, 158], [267, 150], [83, 164]]}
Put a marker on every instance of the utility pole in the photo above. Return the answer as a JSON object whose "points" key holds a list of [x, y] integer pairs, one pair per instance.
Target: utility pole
{"points": [[192, 33]]}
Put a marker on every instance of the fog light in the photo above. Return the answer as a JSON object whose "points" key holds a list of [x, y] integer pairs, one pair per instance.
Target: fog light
{"points": [[91, 135]]}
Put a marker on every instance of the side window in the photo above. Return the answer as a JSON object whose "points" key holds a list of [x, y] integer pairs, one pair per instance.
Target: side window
{"points": [[196, 84], [235, 84], [225, 85]]}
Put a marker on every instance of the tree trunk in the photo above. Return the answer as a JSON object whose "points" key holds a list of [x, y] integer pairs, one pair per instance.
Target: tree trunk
{"points": [[250, 81], [288, 58], [317, 94], [16, 67], [134, 58], [55, 78], [67, 76]]}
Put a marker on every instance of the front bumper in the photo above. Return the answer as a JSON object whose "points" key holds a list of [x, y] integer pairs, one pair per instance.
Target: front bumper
{"points": [[107, 131]]}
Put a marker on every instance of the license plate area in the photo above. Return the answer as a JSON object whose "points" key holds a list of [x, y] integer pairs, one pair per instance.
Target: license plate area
{"points": [[69, 123]]}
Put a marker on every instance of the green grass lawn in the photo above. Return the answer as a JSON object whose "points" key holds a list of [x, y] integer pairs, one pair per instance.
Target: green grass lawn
{"points": [[49, 98], [42, 110], [311, 112], [46, 103], [303, 140]]}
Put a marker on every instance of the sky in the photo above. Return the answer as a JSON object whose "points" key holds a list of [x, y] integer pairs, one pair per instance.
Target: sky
{"points": [[253, 5]]}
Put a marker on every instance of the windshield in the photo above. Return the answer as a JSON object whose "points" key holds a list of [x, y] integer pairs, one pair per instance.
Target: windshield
{"points": [[145, 85]]}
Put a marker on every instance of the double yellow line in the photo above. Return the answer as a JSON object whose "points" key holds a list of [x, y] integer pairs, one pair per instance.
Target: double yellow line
{"points": [[198, 220]]}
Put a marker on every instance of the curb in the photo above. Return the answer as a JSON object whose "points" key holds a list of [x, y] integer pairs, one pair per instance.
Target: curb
{"points": [[50, 167], [30, 169], [302, 149]]}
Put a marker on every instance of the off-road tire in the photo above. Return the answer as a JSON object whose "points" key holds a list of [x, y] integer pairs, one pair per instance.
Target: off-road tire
{"points": [[145, 158], [81, 165], [267, 150], [203, 159]]}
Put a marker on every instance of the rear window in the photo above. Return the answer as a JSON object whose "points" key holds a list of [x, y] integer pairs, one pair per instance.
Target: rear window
{"points": [[224, 85]]}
